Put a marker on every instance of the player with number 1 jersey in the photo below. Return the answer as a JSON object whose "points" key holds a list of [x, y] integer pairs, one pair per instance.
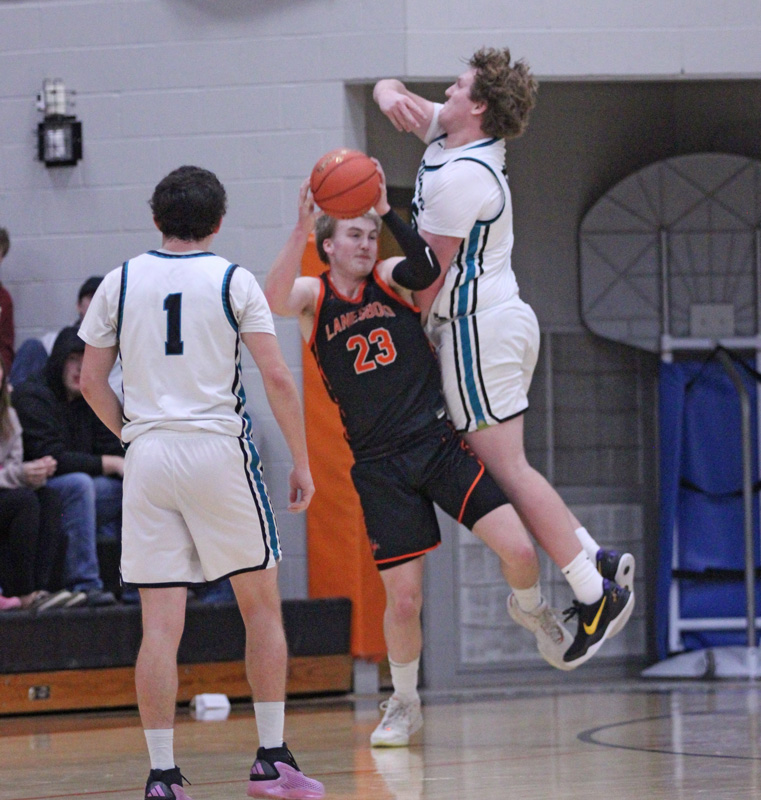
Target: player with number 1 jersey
{"points": [[196, 509], [163, 304]]}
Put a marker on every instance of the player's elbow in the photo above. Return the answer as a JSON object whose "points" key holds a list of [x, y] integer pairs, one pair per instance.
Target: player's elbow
{"points": [[87, 384], [419, 272], [278, 380], [277, 302]]}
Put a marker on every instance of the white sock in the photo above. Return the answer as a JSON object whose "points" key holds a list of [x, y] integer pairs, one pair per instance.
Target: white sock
{"points": [[270, 722], [529, 599], [587, 542], [160, 743], [405, 677], [584, 579]]}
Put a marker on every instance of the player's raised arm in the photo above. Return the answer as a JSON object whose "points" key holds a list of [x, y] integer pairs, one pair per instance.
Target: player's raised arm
{"points": [[407, 111], [419, 268], [288, 294]]}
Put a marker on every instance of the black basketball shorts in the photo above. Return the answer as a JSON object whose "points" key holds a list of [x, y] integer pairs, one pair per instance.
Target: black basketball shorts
{"points": [[397, 493]]}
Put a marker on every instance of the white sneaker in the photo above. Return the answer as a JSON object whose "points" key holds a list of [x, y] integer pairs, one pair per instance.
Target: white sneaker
{"points": [[401, 720], [552, 637]]}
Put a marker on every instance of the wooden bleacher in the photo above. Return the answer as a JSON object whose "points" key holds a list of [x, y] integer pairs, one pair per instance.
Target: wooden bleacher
{"points": [[67, 659]]}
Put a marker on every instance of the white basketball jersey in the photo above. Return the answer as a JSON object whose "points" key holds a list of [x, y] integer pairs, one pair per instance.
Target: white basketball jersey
{"points": [[463, 192], [177, 318]]}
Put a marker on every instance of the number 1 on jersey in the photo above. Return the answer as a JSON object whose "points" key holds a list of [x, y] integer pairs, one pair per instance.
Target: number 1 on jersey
{"points": [[173, 307]]}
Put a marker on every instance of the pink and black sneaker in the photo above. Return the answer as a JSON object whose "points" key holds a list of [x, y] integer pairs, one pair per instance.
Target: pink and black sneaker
{"points": [[165, 783], [275, 773]]}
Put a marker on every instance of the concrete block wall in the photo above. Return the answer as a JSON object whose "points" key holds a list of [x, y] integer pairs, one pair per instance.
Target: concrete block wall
{"points": [[652, 38], [253, 90], [256, 91]]}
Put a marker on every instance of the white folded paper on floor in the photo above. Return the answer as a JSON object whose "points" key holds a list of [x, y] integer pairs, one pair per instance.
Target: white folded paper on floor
{"points": [[210, 707]]}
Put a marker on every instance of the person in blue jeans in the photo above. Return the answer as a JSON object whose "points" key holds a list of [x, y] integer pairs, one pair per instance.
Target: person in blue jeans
{"points": [[57, 421], [33, 354]]}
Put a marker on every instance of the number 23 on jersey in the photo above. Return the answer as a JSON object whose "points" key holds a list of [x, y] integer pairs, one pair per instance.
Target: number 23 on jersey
{"points": [[364, 361]]}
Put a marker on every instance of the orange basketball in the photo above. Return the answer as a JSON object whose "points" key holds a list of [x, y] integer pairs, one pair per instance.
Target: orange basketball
{"points": [[345, 183]]}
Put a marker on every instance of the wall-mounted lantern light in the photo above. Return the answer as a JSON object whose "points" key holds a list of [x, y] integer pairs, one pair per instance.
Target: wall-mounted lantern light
{"points": [[59, 136]]}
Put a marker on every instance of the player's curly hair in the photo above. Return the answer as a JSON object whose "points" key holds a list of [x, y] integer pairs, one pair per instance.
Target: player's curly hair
{"points": [[509, 92], [188, 204]]}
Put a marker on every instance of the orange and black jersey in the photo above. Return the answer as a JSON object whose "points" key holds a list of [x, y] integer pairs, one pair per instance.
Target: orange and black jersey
{"points": [[377, 365]]}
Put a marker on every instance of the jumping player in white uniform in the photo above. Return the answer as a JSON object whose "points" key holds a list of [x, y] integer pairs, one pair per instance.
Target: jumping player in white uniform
{"points": [[486, 336], [196, 508]]}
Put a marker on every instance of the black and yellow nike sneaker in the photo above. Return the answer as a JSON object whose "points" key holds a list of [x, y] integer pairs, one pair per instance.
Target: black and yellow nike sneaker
{"points": [[598, 621]]}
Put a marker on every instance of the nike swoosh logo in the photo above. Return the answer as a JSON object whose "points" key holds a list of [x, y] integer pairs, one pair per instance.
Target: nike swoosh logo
{"points": [[592, 629]]}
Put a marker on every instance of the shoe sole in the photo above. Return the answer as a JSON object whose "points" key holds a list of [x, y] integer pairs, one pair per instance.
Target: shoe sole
{"points": [[57, 600], [76, 600], [279, 787], [282, 794], [616, 626], [551, 659], [625, 572]]}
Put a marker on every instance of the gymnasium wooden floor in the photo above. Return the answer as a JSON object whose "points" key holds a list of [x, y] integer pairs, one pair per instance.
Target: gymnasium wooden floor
{"points": [[628, 740]]}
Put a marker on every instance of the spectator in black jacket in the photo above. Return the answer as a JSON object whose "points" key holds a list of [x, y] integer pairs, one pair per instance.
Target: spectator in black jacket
{"points": [[57, 422]]}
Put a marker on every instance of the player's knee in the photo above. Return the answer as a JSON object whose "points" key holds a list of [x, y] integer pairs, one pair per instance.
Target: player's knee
{"points": [[523, 555], [512, 472], [406, 604]]}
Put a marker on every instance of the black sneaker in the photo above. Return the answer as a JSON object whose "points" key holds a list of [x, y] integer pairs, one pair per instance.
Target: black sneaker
{"points": [[616, 567], [43, 601], [165, 783], [99, 597], [275, 773], [598, 621]]}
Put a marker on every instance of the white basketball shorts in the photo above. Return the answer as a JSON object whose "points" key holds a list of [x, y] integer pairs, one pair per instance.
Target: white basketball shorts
{"points": [[195, 509], [487, 362]]}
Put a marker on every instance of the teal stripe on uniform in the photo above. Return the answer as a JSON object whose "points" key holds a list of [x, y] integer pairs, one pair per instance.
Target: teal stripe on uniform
{"points": [[266, 505], [463, 291], [468, 360], [466, 344], [240, 394], [122, 297], [226, 296]]}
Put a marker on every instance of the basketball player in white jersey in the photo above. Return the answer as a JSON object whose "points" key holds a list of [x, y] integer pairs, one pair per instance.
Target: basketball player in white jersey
{"points": [[486, 336], [195, 505]]}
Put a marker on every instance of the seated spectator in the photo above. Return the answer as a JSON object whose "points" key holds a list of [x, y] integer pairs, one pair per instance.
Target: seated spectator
{"points": [[33, 353], [8, 603], [6, 308], [56, 421], [31, 542]]}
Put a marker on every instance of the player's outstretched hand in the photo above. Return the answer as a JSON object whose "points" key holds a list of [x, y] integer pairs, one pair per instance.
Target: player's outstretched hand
{"points": [[405, 114], [302, 489], [307, 212]]}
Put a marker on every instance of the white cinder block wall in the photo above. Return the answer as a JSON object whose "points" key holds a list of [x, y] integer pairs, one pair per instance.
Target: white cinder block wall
{"points": [[256, 90]]}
